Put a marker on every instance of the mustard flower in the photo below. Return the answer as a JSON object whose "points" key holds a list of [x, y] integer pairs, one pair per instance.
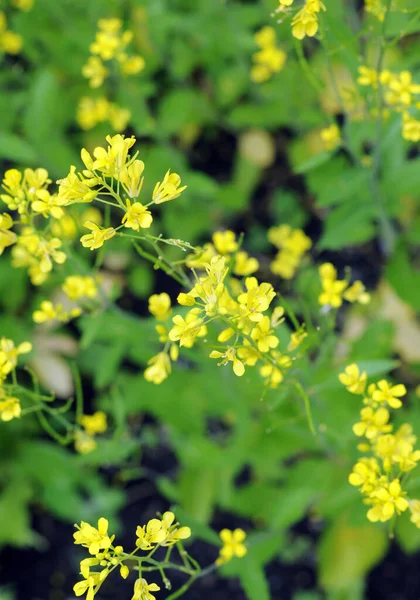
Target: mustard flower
{"points": [[357, 293], [225, 242], [256, 299], [387, 499], [111, 161], [414, 506], [244, 264], [133, 64], [131, 178], [229, 356], [83, 443], [389, 394], [353, 379], [169, 189], [159, 368], [367, 76], [50, 312], [296, 338], [9, 354], [410, 128], [7, 237], [332, 293], [263, 335], [186, 330], [98, 236], [95, 71], [366, 473], [79, 286], [305, 22], [173, 533], [142, 590], [151, 534], [9, 406], [373, 423], [93, 538], [75, 188], [233, 545], [160, 306], [376, 8], [137, 216], [93, 424], [48, 205], [88, 585]]}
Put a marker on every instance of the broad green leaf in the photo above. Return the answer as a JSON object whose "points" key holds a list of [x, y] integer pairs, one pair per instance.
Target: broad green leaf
{"points": [[17, 149]]}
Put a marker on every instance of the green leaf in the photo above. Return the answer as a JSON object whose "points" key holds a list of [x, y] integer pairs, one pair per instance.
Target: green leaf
{"points": [[253, 580], [17, 149], [346, 554], [313, 162], [404, 278], [15, 519], [347, 225]]}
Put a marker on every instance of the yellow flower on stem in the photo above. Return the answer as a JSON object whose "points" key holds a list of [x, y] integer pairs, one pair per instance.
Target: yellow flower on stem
{"points": [[373, 423], [332, 293], [353, 379], [169, 189], [7, 237], [159, 368], [389, 394], [93, 424], [93, 538], [78, 286], [357, 293], [262, 334], [331, 137], [98, 236], [137, 216], [388, 499], [95, 71], [160, 306], [173, 533], [225, 241], [88, 585], [142, 590], [233, 545], [9, 407], [245, 265], [186, 330], [131, 178], [229, 356]]}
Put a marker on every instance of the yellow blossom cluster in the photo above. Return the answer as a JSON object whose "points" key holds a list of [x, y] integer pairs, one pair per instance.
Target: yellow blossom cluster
{"points": [[84, 439], [48, 311], [248, 336], [9, 354], [92, 111], [292, 245], [400, 94], [305, 22], [376, 8], [10, 42], [269, 59], [389, 456], [114, 172], [110, 47], [334, 290], [105, 556]]}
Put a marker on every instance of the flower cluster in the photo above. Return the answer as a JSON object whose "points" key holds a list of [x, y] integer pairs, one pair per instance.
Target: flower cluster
{"points": [[10, 42], [389, 455], [84, 439], [305, 21], [334, 290], [269, 59], [105, 556], [292, 245], [110, 47], [400, 94], [375, 8], [248, 335], [9, 354], [92, 111], [114, 172], [76, 288]]}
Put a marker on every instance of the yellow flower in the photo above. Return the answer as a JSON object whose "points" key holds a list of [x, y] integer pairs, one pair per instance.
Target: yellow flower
{"points": [[331, 137], [159, 368], [133, 64], [160, 306], [367, 76], [9, 354], [173, 532], [142, 590], [402, 89], [244, 264], [186, 330], [262, 334], [233, 545], [7, 237], [376, 8], [75, 188], [256, 299], [388, 499], [83, 443], [410, 128], [98, 236], [92, 538], [79, 286], [332, 294], [305, 22], [95, 71], [9, 406], [48, 205], [169, 189], [296, 338], [88, 585], [24, 5], [389, 394], [229, 356], [137, 216], [131, 178], [365, 474], [357, 293], [93, 424], [150, 534], [353, 379], [113, 160], [225, 242], [10, 42], [373, 423]]}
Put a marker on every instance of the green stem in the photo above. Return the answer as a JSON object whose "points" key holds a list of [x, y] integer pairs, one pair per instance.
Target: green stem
{"points": [[307, 402]]}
